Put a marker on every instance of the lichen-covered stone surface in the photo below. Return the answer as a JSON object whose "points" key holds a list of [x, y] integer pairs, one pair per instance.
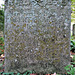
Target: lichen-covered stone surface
{"points": [[37, 35]]}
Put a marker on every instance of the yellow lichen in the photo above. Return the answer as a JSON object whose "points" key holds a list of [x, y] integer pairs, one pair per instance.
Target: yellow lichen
{"points": [[41, 34], [30, 20], [13, 23], [17, 26], [21, 30], [35, 21], [5, 32], [31, 27], [24, 26], [39, 58], [39, 30], [56, 61], [42, 46], [50, 22]]}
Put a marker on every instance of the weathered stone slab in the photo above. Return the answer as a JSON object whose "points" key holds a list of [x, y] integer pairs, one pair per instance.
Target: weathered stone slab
{"points": [[37, 35]]}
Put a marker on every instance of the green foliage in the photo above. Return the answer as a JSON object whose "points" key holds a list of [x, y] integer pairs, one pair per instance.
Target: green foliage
{"points": [[73, 11], [72, 37], [1, 45], [70, 69], [1, 67], [1, 20], [72, 45], [2, 48], [73, 0], [73, 63], [1, 40], [73, 59], [12, 73]]}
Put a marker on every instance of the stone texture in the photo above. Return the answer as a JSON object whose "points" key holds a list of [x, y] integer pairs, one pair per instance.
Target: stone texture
{"points": [[37, 35]]}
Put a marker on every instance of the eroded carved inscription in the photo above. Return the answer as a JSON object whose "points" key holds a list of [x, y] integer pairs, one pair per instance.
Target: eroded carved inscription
{"points": [[37, 35]]}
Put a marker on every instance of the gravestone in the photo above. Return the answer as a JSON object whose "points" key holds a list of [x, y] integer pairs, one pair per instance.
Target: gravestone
{"points": [[37, 35]]}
